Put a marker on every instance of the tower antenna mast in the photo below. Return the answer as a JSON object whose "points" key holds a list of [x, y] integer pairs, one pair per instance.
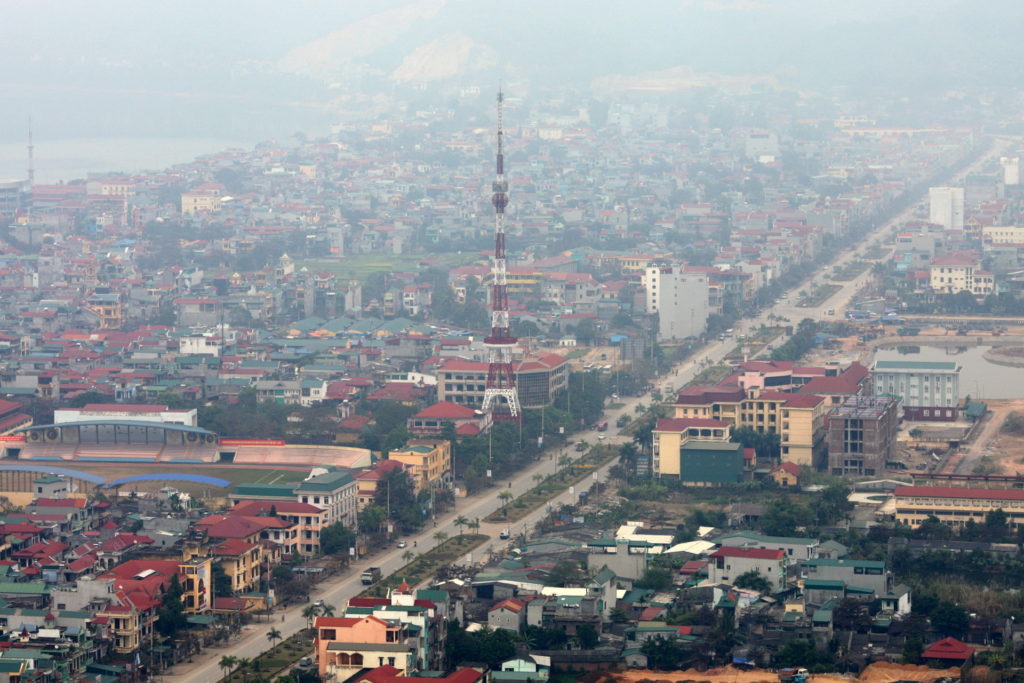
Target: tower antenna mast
{"points": [[500, 396], [31, 156]]}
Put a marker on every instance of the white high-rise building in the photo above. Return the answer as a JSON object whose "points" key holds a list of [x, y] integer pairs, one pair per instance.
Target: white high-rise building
{"points": [[1011, 170], [680, 299], [946, 207]]}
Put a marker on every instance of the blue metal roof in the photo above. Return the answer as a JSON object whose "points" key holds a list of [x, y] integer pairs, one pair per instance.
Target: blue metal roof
{"points": [[49, 469], [171, 476]]}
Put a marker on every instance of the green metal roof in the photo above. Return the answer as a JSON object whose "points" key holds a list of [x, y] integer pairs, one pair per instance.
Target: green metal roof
{"points": [[816, 585], [328, 481], [266, 490], [822, 616], [24, 588]]}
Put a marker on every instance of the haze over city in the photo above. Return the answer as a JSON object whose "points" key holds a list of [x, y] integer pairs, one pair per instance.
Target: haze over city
{"points": [[466, 341]]}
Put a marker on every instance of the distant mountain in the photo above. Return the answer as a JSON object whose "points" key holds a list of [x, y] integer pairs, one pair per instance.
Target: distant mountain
{"points": [[240, 69]]}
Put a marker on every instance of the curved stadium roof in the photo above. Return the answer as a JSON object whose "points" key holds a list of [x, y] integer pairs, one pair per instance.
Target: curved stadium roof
{"points": [[127, 423]]}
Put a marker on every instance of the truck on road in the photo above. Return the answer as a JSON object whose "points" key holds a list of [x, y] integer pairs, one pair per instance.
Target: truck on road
{"points": [[370, 575], [794, 675]]}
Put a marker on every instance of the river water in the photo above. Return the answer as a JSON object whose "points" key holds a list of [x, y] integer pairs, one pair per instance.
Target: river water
{"points": [[64, 160], [978, 377]]}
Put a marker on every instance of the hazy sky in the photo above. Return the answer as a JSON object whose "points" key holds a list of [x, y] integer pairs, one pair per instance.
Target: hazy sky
{"points": [[243, 69]]}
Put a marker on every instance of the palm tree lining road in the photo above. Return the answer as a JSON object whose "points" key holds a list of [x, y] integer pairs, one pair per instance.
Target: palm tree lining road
{"points": [[477, 507]]}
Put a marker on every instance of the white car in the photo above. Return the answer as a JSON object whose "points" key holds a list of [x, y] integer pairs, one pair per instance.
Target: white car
{"points": [[600, 437], [402, 544]]}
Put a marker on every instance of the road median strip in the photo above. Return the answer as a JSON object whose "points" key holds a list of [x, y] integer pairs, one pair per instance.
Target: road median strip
{"points": [[554, 485], [423, 565]]}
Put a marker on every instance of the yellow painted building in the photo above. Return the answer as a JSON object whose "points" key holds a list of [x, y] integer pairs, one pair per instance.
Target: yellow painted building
{"points": [[428, 462], [202, 199], [1002, 234], [798, 419], [671, 433], [955, 506]]}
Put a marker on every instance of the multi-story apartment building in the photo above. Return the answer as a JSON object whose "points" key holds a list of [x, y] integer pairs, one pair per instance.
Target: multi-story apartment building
{"points": [[334, 492], [671, 433], [862, 435], [926, 390], [798, 419], [538, 380], [680, 300], [954, 506], [961, 273], [427, 461], [946, 207]]}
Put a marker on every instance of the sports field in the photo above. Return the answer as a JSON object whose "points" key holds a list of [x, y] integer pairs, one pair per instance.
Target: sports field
{"points": [[359, 267]]}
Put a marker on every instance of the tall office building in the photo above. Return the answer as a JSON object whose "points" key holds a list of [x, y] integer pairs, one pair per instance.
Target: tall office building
{"points": [[946, 207], [680, 300]]}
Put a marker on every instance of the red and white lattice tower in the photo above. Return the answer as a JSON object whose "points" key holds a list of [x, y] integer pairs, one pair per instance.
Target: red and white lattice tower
{"points": [[500, 396]]}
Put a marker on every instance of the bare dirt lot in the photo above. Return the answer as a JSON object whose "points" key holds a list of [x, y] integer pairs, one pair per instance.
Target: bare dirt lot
{"points": [[879, 672], [1005, 451]]}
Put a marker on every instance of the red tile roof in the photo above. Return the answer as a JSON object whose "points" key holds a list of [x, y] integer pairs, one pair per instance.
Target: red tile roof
{"points": [[970, 494], [948, 648], [446, 409], [750, 553]]}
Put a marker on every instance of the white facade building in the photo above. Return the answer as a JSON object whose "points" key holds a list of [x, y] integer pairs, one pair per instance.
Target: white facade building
{"points": [[927, 390], [946, 207], [680, 299], [1011, 170]]}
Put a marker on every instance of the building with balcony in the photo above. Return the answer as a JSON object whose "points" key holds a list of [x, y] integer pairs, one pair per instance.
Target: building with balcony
{"points": [[344, 646], [431, 421], [427, 461]]}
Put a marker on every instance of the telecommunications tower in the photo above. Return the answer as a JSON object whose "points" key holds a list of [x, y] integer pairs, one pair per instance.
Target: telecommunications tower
{"points": [[500, 396]]}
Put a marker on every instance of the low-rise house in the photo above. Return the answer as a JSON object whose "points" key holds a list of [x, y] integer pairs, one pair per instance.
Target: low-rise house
{"points": [[509, 614], [729, 563]]}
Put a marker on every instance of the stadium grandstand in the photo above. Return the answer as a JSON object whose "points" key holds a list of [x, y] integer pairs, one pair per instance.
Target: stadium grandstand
{"points": [[114, 439]]}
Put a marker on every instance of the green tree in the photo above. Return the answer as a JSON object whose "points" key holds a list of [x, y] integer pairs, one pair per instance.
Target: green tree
{"points": [[460, 522], [949, 619], [221, 582], [440, 537], [172, 611], [667, 654], [274, 635], [372, 518], [587, 636], [833, 504], [336, 538], [505, 496], [309, 613], [656, 578], [753, 581], [783, 516], [227, 663]]}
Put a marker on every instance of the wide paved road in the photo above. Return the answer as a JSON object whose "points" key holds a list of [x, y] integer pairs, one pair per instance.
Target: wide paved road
{"points": [[338, 590]]}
